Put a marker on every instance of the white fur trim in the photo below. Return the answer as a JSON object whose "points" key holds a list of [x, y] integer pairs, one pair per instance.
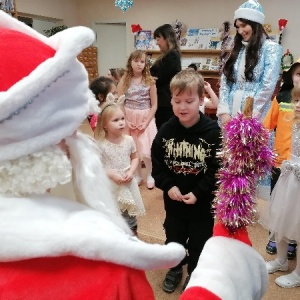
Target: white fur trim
{"points": [[51, 102], [250, 14], [231, 270], [48, 226]]}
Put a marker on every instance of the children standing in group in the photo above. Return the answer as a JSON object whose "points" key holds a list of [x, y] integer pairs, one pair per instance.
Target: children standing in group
{"points": [[285, 206], [101, 87], [140, 106], [279, 117], [184, 167], [120, 160]]}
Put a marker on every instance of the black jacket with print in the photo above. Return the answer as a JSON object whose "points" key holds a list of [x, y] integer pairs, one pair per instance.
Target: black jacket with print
{"points": [[186, 158]]}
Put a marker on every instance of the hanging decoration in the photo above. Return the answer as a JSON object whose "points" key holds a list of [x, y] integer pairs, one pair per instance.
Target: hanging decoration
{"points": [[246, 158], [281, 24], [284, 64], [124, 4], [177, 26], [135, 28], [224, 43]]}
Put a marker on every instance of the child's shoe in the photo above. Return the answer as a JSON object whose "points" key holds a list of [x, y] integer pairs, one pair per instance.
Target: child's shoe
{"points": [[150, 182], [291, 280], [172, 279], [274, 266], [271, 247], [292, 249]]}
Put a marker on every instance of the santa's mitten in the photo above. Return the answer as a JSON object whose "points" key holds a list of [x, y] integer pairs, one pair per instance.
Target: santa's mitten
{"points": [[228, 269]]}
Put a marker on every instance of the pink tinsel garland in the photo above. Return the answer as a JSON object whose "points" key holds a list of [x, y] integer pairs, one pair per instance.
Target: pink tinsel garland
{"points": [[246, 158]]}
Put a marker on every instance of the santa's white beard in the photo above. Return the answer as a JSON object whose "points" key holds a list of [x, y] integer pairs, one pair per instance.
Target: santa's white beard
{"points": [[91, 184]]}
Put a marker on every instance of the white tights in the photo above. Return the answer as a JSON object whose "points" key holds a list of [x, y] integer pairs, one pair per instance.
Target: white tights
{"points": [[148, 164]]}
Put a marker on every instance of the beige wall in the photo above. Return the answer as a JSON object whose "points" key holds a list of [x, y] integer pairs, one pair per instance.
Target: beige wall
{"points": [[150, 14]]}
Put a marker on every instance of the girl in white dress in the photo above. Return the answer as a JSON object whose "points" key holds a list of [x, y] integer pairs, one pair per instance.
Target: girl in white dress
{"points": [[284, 210], [120, 160]]}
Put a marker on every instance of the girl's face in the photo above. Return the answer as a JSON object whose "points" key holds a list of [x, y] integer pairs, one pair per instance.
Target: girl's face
{"points": [[245, 30], [116, 123], [296, 103], [296, 76], [162, 44], [113, 90], [109, 74], [138, 64]]}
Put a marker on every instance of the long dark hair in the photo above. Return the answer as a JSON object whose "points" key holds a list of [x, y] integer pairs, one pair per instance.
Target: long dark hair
{"points": [[252, 55], [167, 32]]}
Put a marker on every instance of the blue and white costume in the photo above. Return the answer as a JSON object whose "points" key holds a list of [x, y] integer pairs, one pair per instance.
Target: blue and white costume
{"points": [[266, 74]]}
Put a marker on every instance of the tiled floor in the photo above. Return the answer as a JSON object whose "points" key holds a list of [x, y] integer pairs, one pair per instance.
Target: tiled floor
{"points": [[151, 230]]}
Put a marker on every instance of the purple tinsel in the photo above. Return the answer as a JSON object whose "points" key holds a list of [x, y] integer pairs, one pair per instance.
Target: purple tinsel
{"points": [[246, 157]]}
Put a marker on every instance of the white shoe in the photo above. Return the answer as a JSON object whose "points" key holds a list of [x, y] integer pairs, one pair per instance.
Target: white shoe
{"points": [[291, 280], [274, 266], [150, 182]]}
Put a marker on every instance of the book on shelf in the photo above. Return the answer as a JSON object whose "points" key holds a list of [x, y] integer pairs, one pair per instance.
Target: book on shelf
{"points": [[201, 38]]}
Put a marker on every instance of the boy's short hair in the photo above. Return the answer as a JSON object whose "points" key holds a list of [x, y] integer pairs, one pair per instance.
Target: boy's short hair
{"points": [[186, 80]]}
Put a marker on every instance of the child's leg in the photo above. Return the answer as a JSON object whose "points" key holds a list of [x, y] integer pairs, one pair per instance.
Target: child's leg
{"points": [[282, 248], [148, 165], [271, 246], [290, 280], [131, 221], [281, 262], [138, 174]]}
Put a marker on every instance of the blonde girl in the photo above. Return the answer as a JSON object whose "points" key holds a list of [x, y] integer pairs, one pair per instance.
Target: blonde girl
{"points": [[120, 160], [140, 106]]}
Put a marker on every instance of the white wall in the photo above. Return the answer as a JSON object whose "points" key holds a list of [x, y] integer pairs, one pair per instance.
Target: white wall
{"points": [[151, 14]]}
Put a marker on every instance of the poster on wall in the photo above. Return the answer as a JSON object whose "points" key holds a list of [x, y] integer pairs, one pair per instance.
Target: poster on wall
{"points": [[143, 40]]}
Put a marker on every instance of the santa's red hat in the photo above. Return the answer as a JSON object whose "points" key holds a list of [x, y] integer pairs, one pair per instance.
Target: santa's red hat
{"points": [[37, 85]]}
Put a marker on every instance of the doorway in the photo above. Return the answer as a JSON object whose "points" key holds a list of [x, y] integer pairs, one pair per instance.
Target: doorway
{"points": [[111, 44]]}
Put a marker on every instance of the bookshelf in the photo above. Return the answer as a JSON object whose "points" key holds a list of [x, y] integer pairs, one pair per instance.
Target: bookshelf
{"points": [[189, 54]]}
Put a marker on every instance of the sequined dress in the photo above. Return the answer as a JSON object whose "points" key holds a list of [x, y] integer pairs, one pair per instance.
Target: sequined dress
{"points": [[117, 157], [285, 198], [137, 108]]}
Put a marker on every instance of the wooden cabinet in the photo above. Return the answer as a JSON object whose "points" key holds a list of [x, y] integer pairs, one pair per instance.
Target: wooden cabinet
{"points": [[88, 57]]}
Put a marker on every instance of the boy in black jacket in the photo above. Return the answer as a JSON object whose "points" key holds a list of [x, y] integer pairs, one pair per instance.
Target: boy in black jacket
{"points": [[184, 167]]}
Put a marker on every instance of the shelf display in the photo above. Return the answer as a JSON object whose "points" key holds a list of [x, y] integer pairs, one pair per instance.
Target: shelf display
{"points": [[88, 57]]}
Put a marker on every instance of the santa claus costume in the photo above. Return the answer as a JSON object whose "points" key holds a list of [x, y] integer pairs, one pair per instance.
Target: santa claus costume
{"points": [[52, 247]]}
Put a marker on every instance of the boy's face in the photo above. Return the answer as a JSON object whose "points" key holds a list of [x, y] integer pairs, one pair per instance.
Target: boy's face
{"points": [[186, 106]]}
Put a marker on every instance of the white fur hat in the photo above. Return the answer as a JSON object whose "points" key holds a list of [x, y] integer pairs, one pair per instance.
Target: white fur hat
{"points": [[44, 88], [250, 10]]}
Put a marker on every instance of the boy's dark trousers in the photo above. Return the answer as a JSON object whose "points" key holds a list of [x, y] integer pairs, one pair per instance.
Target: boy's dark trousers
{"points": [[191, 233]]}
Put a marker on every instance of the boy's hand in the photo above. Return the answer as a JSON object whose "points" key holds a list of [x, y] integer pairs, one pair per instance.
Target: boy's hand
{"points": [[174, 193], [189, 198]]}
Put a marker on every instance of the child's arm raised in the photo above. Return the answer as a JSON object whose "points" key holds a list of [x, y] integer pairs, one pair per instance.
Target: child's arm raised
{"points": [[214, 100]]}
